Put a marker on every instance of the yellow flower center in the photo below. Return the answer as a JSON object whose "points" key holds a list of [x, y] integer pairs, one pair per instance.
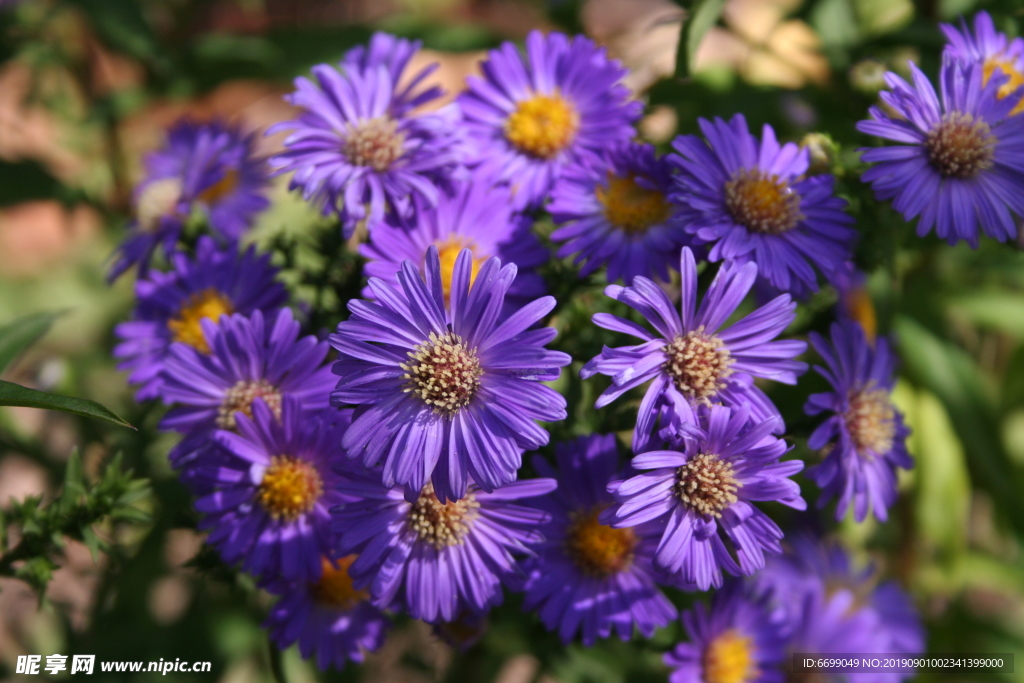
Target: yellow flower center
{"points": [[442, 524], [631, 207], [698, 363], [597, 549], [729, 658], [449, 251], [707, 484], [185, 326], [871, 421], [542, 126], [290, 487], [222, 188], [335, 589], [1016, 78], [762, 202]]}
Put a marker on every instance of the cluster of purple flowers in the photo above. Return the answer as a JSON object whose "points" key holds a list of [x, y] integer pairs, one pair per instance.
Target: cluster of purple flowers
{"points": [[389, 479]]}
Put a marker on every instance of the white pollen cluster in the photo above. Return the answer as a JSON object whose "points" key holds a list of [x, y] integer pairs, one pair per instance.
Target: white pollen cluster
{"points": [[239, 398], [375, 143], [698, 363], [442, 524], [960, 146], [707, 484], [444, 373], [871, 421]]}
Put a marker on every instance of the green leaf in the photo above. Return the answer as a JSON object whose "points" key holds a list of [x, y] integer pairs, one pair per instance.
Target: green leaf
{"points": [[17, 336], [74, 483], [12, 394], [1002, 311], [703, 16]]}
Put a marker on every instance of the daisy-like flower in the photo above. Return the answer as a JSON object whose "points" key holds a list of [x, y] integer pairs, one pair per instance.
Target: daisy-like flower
{"points": [[749, 200], [357, 147], [990, 48], [212, 167], [864, 438], [171, 306], [704, 494], [738, 639], [956, 165], [250, 358], [478, 217], [446, 390], [273, 488], [589, 577], [616, 213], [691, 359], [433, 558], [328, 617], [527, 118]]}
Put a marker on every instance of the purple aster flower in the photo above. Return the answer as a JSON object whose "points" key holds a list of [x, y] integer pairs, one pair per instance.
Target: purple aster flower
{"points": [[990, 48], [739, 639], [589, 577], [273, 489], [437, 559], [328, 617], [357, 147], [864, 438], [172, 304], [250, 357], [616, 213], [445, 389], [703, 494], [527, 118], [394, 54], [750, 200], [477, 217], [691, 359], [210, 166], [957, 164]]}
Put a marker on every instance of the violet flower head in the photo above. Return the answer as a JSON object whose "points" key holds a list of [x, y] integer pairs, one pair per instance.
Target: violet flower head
{"points": [[990, 48], [615, 212], [864, 438], [704, 495], [328, 617], [437, 559], [358, 148], [956, 162], [172, 305], [212, 167], [692, 358], [445, 388], [750, 200], [588, 577], [528, 116]]}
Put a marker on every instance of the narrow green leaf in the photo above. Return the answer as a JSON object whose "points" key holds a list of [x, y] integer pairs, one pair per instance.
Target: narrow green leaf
{"points": [[18, 335], [703, 16], [74, 483], [92, 542], [12, 394]]}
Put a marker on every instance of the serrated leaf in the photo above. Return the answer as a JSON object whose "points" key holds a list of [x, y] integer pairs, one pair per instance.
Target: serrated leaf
{"points": [[18, 335], [703, 16], [12, 394]]}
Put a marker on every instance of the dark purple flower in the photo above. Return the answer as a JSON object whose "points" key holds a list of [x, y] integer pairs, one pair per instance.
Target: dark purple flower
{"points": [[864, 438], [446, 390], [990, 48], [437, 559], [616, 213], [357, 146], [750, 200], [272, 488], [957, 162], [171, 306], [478, 217], [588, 577], [327, 617], [690, 358], [211, 167], [702, 495], [527, 118], [738, 639]]}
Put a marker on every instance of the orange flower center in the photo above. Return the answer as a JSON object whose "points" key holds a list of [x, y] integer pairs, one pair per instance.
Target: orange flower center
{"points": [[597, 549], [185, 327], [542, 126], [630, 207], [729, 658], [449, 251], [290, 487], [335, 589]]}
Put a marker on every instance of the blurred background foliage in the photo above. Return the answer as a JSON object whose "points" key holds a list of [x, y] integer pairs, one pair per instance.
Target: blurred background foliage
{"points": [[88, 86]]}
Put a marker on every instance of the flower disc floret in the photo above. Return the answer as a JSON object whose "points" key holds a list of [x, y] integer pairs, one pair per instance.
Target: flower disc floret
{"points": [[376, 143], [239, 398], [762, 202], [960, 146], [630, 206], [729, 658], [542, 125], [698, 364], [334, 588], [707, 484], [871, 420], [444, 373], [208, 304], [598, 549], [290, 488], [442, 524]]}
